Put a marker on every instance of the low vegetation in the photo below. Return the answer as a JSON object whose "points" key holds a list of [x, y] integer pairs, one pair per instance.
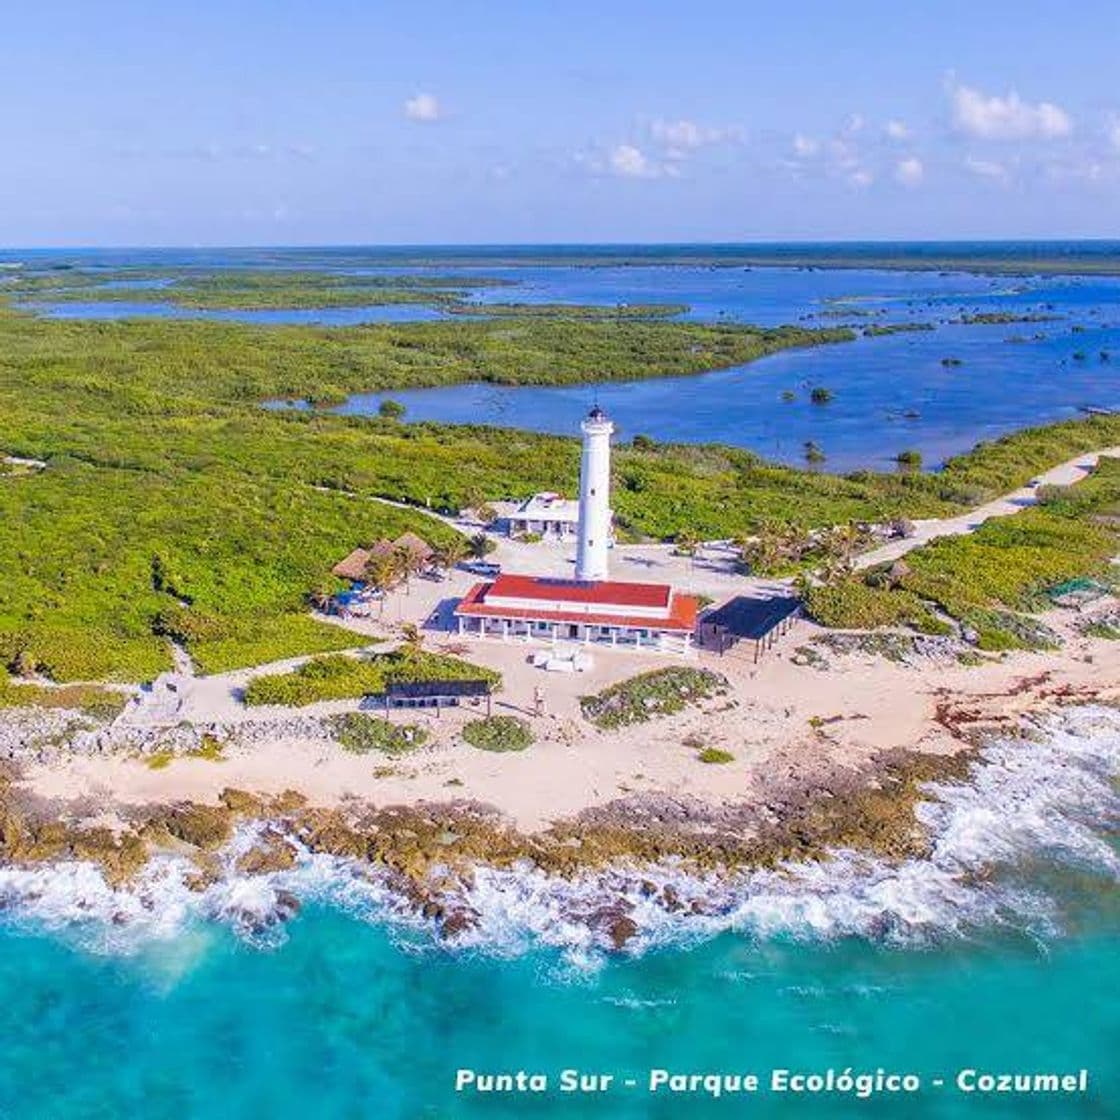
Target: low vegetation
{"points": [[338, 677], [853, 604], [715, 756], [101, 703], [660, 692], [172, 507], [360, 733], [498, 733], [991, 580]]}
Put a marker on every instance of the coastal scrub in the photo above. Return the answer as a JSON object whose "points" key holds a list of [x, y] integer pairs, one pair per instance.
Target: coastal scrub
{"points": [[660, 692]]}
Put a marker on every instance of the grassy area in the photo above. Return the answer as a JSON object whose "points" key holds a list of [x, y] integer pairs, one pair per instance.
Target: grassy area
{"points": [[245, 289], [102, 703], [173, 505], [498, 733], [337, 677], [991, 580], [852, 604], [360, 733], [660, 692]]}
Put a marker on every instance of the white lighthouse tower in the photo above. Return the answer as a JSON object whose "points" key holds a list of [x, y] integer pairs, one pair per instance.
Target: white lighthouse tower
{"points": [[594, 497]]}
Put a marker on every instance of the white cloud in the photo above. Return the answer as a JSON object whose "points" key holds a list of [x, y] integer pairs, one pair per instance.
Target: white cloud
{"points": [[897, 130], [909, 172], [805, 146], [854, 124], [1113, 132], [684, 135], [1007, 118], [861, 178], [423, 107], [986, 168], [630, 162]]}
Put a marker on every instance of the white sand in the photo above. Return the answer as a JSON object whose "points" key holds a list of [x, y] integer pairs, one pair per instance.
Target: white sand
{"points": [[869, 704]]}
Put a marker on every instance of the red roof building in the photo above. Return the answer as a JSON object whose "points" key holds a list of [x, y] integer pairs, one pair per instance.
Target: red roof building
{"points": [[605, 612]]}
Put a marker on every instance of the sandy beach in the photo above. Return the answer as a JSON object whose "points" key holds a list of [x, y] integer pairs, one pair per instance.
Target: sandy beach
{"points": [[783, 722]]}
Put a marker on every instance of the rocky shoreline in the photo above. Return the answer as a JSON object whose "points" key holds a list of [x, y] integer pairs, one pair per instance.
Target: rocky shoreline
{"points": [[429, 854]]}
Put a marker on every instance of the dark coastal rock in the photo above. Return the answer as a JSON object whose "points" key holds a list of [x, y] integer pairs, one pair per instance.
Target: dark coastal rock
{"points": [[272, 851], [288, 906], [621, 930], [202, 826], [458, 921]]}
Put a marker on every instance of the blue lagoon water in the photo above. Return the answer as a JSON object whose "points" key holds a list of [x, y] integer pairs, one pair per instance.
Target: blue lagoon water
{"points": [[890, 393]]}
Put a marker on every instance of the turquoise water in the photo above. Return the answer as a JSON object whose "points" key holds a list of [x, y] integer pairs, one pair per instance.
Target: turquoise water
{"points": [[996, 953], [343, 1022]]}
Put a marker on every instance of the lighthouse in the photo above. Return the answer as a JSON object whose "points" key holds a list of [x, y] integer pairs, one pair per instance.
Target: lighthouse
{"points": [[594, 497]]}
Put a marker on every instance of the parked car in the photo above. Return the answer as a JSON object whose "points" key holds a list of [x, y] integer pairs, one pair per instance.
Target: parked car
{"points": [[484, 568]]}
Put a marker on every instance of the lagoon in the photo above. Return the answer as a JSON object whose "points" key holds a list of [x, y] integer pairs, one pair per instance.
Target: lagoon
{"points": [[890, 393]]}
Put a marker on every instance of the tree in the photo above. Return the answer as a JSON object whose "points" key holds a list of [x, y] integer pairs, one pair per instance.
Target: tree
{"points": [[390, 410], [821, 395], [451, 554], [481, 546], [408, 563], [412, 638], [688, 543], [382, 574], [486, 514]]}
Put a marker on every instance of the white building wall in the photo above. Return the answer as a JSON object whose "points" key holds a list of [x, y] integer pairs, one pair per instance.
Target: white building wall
{"points": [[593, 544]]}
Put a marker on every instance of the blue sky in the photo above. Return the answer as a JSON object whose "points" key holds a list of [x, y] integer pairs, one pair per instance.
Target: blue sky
{"points": [[342, 121]]}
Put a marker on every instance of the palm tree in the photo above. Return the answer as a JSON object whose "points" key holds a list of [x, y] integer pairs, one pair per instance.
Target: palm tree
{"points": [[480, 546], [408, 564], [687, 543], [451, 554], [382, 573], [412, 638], [320, 599]]}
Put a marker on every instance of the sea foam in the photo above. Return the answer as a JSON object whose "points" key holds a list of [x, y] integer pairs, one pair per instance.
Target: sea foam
{"points": [[1046, 799]]}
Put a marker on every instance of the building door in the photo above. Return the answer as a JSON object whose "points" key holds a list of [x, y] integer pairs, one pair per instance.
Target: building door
{"points": [[573, 631]]}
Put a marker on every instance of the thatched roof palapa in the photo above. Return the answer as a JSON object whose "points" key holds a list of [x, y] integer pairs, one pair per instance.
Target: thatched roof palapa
{"points": [[416, 545], [353, 566]]}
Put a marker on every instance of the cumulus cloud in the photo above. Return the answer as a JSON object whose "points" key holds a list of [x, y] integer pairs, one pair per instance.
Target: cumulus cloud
{"points": [[909, 172], [685, 136], [1113, 132], [860, 178], [986, 168], [805, 146], [897, 130], [630, 162], [423, 107], [1007, 118]]}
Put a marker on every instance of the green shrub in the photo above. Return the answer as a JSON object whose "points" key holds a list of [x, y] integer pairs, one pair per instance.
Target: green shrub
{"points": [[852, 604], [498, 733], [716, 756], [360, 733], [337, 677], [660, 692]]}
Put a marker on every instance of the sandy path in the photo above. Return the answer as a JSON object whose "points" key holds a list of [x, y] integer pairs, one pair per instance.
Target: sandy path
{"points": [[1065, 474]]}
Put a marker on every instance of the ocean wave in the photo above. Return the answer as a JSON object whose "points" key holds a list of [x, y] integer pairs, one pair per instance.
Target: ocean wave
{"points": [[1045, 799]]}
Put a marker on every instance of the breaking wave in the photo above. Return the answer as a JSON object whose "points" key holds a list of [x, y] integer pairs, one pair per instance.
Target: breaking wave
{"points": [[1044, 800]]}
